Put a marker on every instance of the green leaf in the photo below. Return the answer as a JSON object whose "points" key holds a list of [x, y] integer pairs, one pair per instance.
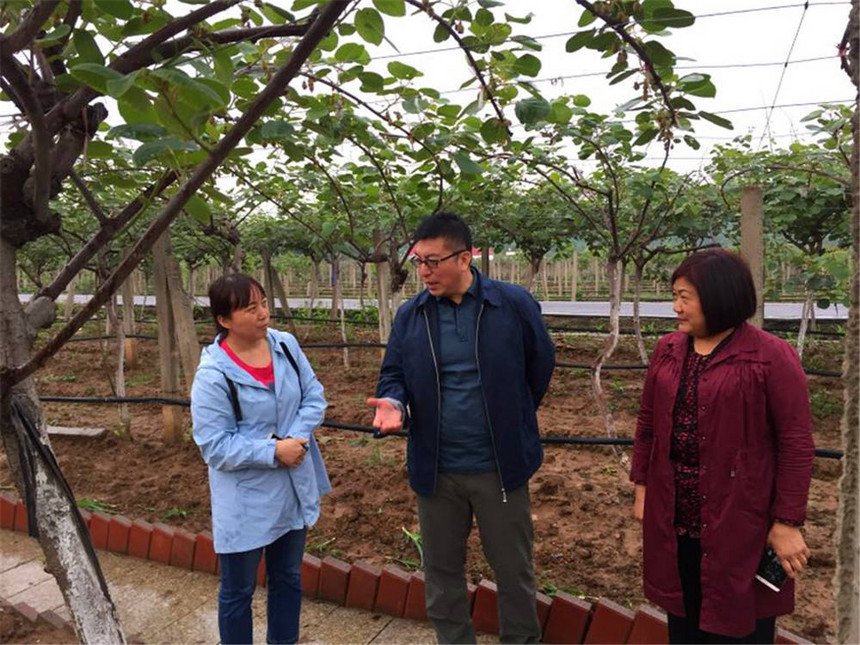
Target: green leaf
{"points": [[277, 15], [586, 18], [527, 65], [136, 107], [54, 36], [484, 17], [697, 85], [369, 25], [440, 34], [659, 55], [371, 82], [199, 94], [560, 112], [403, 71], [293, 151], [581, 100], [525, 20], [622, 76], [692, 142], [493, 131], [351, 52], [98, 149], [224, 66], [137, 131], [579, 40], [121, 9], [673, 18], [198, 209], [66, 83], [415, 105], [449, 111], [298, 5], [119, 86], [717, 120], [527, 42], [532, 110], [154, 148], [466, 165], [94, 75], [489, 4], [645, 137], [88, 50], [245, 88], [391, 7], [681, 103], [329, 42]]}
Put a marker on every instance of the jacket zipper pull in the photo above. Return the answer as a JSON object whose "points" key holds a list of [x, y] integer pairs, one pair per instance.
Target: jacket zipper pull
{"points": [[504, 496]]}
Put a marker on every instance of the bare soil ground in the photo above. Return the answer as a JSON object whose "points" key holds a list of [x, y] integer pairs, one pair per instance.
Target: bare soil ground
{"points": [[586, 542]]}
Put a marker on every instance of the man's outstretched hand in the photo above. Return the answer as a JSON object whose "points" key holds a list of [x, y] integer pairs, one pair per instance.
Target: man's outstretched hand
{"points": [[387, 417]]}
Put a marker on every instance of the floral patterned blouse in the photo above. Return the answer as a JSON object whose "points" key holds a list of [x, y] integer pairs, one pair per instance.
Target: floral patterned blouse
{"points": [[684, 449]]}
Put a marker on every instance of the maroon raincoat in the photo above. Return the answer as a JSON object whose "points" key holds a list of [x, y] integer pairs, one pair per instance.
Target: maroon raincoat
{"points": [[755, 464]]}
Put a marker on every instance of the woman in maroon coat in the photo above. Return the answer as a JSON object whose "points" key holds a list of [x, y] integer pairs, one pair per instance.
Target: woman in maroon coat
{"points": [[721, 461]]}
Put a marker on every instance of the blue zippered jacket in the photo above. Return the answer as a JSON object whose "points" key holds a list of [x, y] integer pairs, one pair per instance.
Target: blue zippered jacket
{"points": [[256, 500], [516, 358]]}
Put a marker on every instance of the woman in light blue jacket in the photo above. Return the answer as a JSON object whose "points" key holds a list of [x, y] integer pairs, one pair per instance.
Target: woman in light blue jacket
{"points": [[255, 403]]}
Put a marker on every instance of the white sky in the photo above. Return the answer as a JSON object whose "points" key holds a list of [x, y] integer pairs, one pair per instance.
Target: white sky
{"points": [[734, 39]]}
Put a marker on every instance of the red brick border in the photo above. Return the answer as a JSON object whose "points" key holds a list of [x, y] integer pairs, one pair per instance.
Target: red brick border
{"points": [[334, 580], [363, 585], [564, 618], [393, 588]]}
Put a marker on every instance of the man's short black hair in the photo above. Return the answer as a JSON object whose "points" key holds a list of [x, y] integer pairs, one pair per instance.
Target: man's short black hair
{"points": [[229, 293], [446, 225], [725, 285]]}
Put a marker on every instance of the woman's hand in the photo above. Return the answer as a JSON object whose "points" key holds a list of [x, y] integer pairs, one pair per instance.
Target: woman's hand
{"points": [[639, 502], [790, 547], [290, 452]]}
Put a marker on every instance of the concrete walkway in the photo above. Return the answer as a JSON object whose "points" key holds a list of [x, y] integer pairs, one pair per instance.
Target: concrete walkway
{"points": [[161, 604], [586, 308]]}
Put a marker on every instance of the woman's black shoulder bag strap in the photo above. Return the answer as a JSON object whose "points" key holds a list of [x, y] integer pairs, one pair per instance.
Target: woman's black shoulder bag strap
{"points": [[234, 395]]}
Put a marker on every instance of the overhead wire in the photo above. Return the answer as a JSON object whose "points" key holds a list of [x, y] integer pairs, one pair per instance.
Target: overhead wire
{"points": [[769, 114]]}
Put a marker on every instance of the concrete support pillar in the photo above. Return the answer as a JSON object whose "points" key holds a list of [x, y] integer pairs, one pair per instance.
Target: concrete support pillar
{"points": [[752, 243]]}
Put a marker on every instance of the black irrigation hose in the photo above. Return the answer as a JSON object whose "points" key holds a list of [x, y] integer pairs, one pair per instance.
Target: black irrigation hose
{"points": [[607, 366], [106, 400], [557, 328], [662, 332], [825, 453]]}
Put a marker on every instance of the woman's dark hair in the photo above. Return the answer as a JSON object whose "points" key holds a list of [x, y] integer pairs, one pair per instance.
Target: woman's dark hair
{"points": [[229, 293], [449, 226], [725, 285]]}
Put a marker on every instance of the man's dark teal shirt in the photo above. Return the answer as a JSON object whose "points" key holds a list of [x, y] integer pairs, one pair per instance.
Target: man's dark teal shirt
{"points": [[465, 445]]}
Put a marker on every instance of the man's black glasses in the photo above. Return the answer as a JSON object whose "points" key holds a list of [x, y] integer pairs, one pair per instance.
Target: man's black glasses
{"points": [[432, 263]]}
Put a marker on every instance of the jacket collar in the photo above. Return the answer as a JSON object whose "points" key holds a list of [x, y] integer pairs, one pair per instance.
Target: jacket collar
{"points": [[485, 289], [744, 341], [215, 356]]}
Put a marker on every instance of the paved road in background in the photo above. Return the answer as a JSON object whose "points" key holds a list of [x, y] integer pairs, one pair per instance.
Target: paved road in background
{"points": [[588, 309]]}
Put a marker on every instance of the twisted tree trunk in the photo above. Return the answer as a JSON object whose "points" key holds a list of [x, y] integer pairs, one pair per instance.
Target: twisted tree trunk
{"points": [[637, 319], [53, 514], [613, 270], [847, 578]]}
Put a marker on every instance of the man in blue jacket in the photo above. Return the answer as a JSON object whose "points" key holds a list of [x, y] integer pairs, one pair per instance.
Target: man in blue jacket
{"points": [[467, 363]]}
